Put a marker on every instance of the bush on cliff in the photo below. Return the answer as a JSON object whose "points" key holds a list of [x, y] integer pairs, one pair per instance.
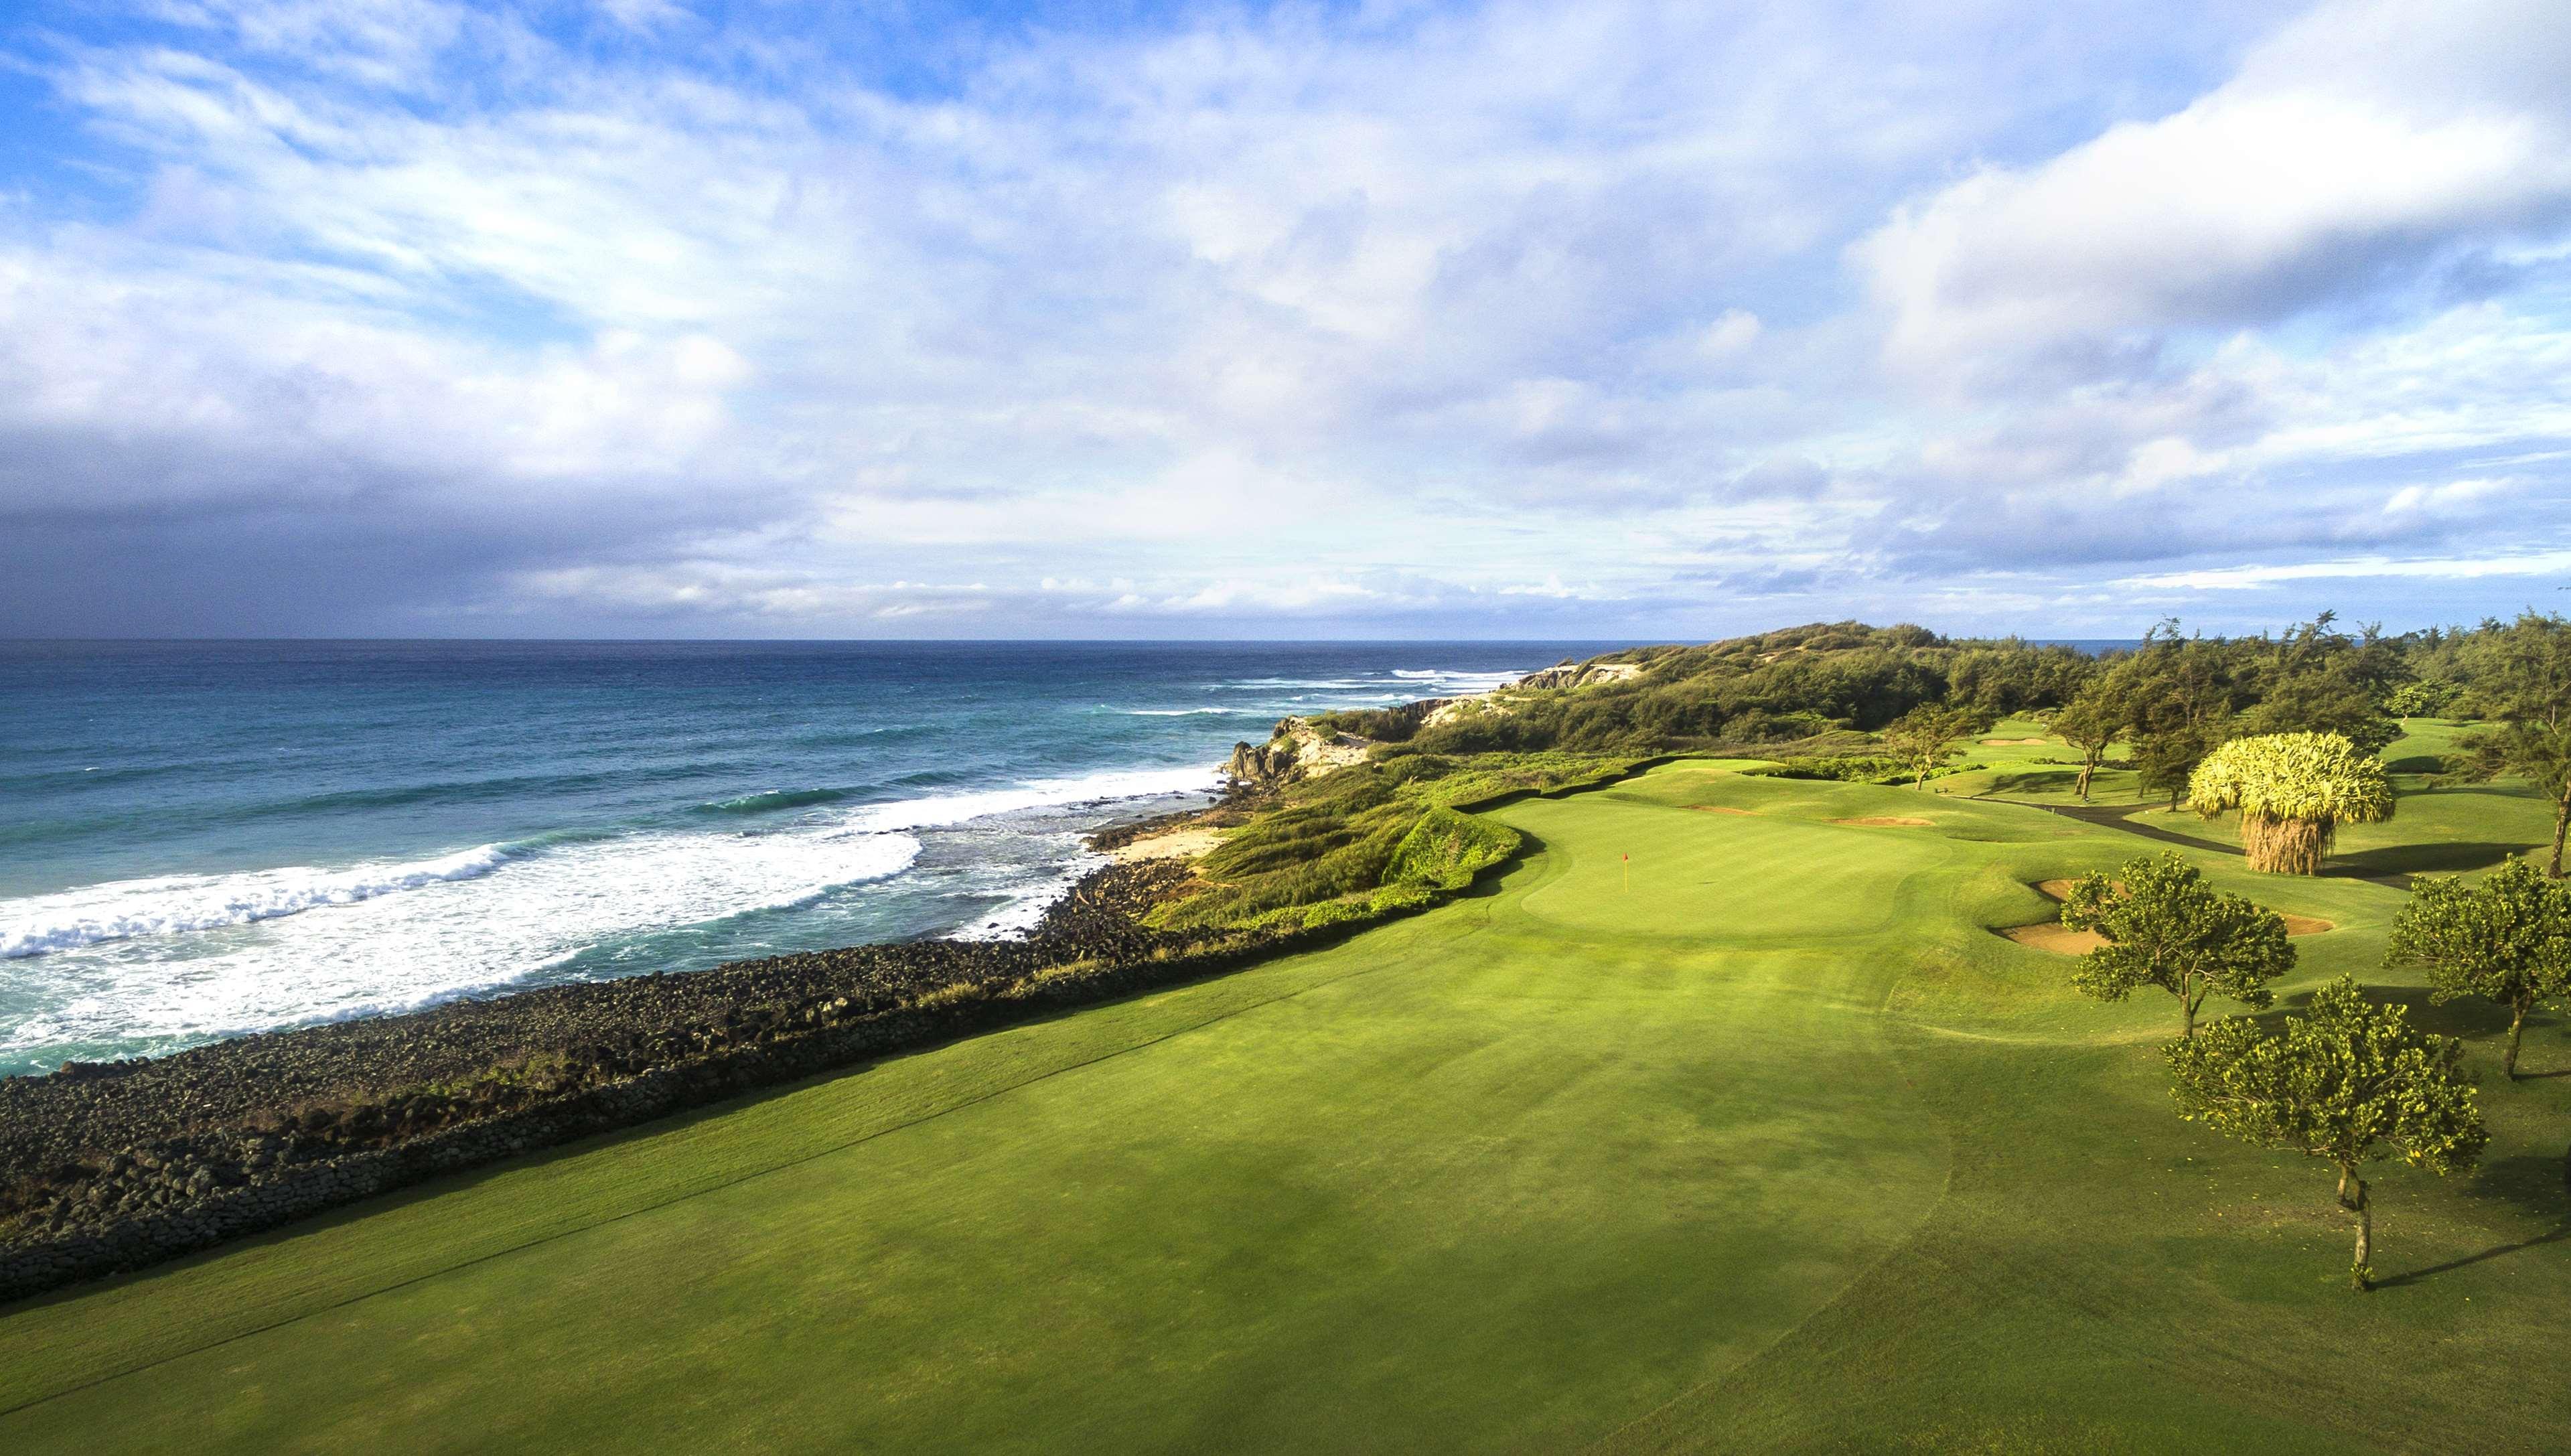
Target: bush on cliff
{"points": [[1360, 841], [1447, 847]]}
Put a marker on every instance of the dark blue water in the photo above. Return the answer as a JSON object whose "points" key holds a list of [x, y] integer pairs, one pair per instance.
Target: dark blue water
{"points": [[203, 839]]}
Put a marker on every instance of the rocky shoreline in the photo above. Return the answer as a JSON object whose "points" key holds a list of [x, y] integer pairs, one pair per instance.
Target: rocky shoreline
{"points": [[117, 1166], [109, 1167]]}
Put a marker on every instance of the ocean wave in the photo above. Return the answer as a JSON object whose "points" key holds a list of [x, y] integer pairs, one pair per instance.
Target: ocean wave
{"points": [[1189, 712], [775, 798], [442, 939], [177, 904], [943, 811], [1027, 903]]}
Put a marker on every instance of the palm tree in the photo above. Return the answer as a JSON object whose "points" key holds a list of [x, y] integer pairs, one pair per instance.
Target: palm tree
{"points": [[2294, 790]]}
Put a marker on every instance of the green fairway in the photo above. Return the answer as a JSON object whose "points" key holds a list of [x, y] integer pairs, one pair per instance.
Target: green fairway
{"points": [[1757, 1139]]}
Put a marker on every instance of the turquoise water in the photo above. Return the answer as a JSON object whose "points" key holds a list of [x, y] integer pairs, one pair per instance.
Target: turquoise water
{"points": [[200, 839]]}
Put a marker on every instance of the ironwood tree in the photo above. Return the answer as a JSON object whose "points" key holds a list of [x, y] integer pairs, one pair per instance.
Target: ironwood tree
{"points": [[2522, 677], [1924, 737], [2093, 722]]}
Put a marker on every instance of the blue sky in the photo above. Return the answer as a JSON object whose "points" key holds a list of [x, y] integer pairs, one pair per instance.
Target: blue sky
{"points": [[1607, 320]]}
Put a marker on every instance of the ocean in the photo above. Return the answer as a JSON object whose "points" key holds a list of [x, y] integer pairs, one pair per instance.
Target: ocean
{"points": [[200, 839]]}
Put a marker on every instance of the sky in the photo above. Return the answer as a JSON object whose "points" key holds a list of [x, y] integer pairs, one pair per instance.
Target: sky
{"points": [[1600, 321]]}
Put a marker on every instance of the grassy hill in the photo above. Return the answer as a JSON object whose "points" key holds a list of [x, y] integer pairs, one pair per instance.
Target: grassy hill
{"points": [[1760, 1139]]}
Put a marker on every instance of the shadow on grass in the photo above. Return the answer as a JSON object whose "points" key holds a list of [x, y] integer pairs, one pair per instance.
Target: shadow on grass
{"points": [[2406, 859], [2487, 1254], [1487, 885], [2536, 1184]]}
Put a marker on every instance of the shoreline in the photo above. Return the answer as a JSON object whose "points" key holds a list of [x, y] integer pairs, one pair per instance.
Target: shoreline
{"points": [[1025, 907], [117, 1166], [111, 1167]]}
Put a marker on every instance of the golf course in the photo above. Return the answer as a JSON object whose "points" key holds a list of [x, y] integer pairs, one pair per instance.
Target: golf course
{"points": [[1719, 1119]]}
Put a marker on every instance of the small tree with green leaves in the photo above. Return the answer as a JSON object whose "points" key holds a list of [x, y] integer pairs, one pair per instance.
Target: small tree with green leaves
{"points": [[2540, 753], [1924, 737], [2294, 790], [2426, 697], [2165, 757], [2092, 722], [2352, 1083], [2506, 939], [2522, 677], [2164, 925]]}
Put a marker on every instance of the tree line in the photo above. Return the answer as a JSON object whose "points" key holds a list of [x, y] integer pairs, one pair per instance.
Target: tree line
{"points": [[2171, 701]]}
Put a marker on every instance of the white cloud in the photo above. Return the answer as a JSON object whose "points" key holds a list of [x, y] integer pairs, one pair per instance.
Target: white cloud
{"points": [[2367, 132], [2236, 578], [1465, 320]]}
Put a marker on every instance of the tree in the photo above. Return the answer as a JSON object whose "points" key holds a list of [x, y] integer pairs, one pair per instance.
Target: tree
{"points": [[2294, 790], [2352, 1083], [2318, 680], [1924, 737], [2522, 677], [2165, 759], [2092, 722], [2166, 926], [2427, 698], [2180, 694], [2507, 939]]}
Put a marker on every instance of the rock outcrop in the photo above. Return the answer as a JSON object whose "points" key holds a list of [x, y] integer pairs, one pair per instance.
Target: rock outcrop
{"points": [[1568, 673], [1298, 748]]}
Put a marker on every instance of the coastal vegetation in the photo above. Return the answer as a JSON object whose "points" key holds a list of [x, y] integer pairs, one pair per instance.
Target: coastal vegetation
{"points": [[1707, 1074], [2521, 676], [2506, 940], [1774, 1147]]}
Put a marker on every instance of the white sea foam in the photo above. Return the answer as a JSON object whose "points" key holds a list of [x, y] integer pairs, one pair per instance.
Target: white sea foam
{"points": [[435, 940], [176, 904], [1397, 684], [938, 811], [185, 959], [1028, 902]]}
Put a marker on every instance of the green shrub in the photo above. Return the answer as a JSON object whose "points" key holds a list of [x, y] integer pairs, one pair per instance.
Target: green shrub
{"points": [[1447, 847]]}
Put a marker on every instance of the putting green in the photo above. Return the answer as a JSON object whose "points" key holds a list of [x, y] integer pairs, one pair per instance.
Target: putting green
{"points": [[1779, 1148]]}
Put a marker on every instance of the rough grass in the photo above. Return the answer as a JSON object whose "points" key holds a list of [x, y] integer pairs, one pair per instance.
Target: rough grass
{"points": [[1759, 1141]]}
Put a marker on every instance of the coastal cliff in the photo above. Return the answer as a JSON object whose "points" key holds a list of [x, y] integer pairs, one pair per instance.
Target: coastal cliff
{"points": [[1305, 747], [1299, 747]]}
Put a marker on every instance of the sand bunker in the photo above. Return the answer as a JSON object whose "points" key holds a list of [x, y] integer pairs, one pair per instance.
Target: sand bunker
{"points": [[1716, 809], [1888, 822], [2015, 743], [2054, 936], [1175, 844], [2055, 889]]}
